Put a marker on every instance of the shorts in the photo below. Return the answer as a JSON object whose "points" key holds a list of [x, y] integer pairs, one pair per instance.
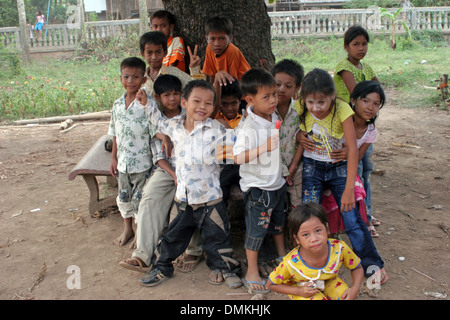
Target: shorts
{"points": [[38, 26], [265, 213]]}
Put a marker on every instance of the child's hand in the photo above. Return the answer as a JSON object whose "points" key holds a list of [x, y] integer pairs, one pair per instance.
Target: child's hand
{"points": [[113, 168], [302, 139], [307, 291], [348, 200], [289, 180], [141, 96], [166, 145], [222, 78], [195, 60], [292, 169], [272, 142], [339, 154], [350, 294]]}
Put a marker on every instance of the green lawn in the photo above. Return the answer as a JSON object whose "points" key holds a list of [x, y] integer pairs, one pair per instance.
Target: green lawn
{"points": [[63, 87]]}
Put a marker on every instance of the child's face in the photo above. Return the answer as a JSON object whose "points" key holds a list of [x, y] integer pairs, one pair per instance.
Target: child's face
{"points": [[218, 41], [170, 100], [367, 108], [287, 88], [200, 104], [229, 106], [357, 48], [264, 102], [153, 54], [319, 104], [132, 79], [161, 24], [312, 235]]}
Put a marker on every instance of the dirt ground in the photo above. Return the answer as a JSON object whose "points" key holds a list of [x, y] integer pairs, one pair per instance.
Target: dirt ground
{"points": [[410, 187]]}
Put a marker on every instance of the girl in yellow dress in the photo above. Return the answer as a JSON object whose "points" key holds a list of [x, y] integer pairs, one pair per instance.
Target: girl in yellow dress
{"points": [[310, 271]]}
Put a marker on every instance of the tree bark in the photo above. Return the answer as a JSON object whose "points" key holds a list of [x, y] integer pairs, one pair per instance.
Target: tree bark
{"points": [[251, 26], [24, 36]]}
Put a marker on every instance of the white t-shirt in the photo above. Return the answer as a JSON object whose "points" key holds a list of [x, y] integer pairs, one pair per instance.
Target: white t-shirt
{"points": [[264, 172], [370, 136]]}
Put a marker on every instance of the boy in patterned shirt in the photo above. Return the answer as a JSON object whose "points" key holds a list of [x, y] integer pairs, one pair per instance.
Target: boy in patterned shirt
{"points": [[131, 160], [289, 76], [198, 199]]}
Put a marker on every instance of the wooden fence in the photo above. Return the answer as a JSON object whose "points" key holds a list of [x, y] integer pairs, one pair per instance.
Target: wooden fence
{"points": [[286, 24]]}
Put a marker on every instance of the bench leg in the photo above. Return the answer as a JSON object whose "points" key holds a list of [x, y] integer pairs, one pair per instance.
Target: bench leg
{"points": [[95, 203]]}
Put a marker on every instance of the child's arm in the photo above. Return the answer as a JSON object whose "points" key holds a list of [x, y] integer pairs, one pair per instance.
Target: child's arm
{"points": [[113, 166], [166, 143], [293, 166], [303, 291], [348, 197], [165, 165], [249, 155], [357, 279], [349, 80], [222, 78]]}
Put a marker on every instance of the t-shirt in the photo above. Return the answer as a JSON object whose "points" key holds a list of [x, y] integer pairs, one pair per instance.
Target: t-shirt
{"points": [[175, 52], [370, 136], [264, 172], [233, 123], [231, 61], [366, 73], [327, 133]]}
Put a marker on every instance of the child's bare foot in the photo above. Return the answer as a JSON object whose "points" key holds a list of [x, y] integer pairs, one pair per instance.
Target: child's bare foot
{"points": [[126, 235], [133, 244]]}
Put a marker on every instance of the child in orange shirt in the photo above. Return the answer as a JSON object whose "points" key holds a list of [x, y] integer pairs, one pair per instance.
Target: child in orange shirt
{"points": [[223, 60], [164, 21]]}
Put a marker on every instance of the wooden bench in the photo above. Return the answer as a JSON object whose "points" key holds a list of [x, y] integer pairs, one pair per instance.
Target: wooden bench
{"points": [[96, 163]]}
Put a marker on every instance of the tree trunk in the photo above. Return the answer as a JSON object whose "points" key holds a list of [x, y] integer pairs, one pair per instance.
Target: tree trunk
{"points": [[143, 16], [251, 26], [24, 37], [124, 9]]}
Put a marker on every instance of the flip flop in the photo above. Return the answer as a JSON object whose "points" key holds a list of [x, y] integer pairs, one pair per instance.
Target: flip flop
{"points": [[183, 261], [248, 283], [141, 267], [216, 272]]}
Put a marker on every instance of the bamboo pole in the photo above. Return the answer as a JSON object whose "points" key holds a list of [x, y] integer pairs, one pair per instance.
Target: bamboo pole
{"points": [[81, 117]]}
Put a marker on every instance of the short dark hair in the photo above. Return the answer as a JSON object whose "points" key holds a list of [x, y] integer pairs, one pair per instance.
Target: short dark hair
{"points": [[133, 62], [232, 89], [353, 32], [167, 83], [164, 14], [256, 78], [292, 68], [219, 24], [303, 213], [153, 37], [191, 85]]}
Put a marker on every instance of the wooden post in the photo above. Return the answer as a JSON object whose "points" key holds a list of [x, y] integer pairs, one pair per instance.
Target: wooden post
{"points": [[24, 43]]}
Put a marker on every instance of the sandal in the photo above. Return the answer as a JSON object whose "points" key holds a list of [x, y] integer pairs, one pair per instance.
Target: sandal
{"points": [[217, 274], [248, 284], [373, 231], [231, 280], [375, 221], [181, 262], [140, 267], [153, 278]]}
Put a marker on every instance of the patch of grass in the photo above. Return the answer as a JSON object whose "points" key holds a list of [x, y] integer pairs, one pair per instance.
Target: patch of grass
{"points": [[416, 63]]}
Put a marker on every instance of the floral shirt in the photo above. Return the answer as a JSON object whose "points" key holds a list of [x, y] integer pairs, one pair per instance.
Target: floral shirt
{"points": [[289, 128], [196, 166], [133, 133], [293, 270]]}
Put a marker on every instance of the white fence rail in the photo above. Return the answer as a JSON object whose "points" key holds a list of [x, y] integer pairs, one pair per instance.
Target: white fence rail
{"points": [[286, 24], [328, 22]]}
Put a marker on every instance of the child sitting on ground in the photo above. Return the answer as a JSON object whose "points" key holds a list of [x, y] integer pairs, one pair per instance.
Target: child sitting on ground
{"points": [[198, 198], [309, 272], [131, 158], [164, 21], [257, 152], [224, 62], [153, 46]]}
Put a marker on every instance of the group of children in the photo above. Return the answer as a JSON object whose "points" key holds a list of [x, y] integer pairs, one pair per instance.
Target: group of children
{"points": [[180, 143]]}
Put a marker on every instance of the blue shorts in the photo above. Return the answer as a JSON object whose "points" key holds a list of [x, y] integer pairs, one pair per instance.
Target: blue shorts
{"points": [[265, 212], [38, 26]]}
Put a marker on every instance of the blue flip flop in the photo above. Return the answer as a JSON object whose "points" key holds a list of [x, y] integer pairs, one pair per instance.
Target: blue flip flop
{"points": [[248, 283]]}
